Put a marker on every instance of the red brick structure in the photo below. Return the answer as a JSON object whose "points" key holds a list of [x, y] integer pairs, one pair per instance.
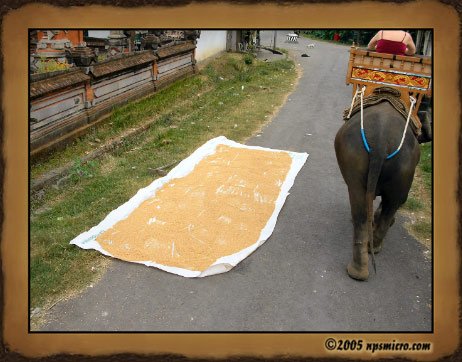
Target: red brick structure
{"points": [[53, 43], [64, 47]]}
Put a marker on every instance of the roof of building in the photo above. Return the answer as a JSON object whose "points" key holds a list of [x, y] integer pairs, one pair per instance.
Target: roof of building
{"points": [[96, 41], [167, 51], [121, 63], [46, 84]]}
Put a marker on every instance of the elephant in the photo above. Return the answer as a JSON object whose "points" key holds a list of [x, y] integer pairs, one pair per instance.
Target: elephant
{"points": [[371, 174]]}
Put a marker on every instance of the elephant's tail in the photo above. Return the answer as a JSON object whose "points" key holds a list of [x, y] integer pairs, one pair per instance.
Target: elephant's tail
{"points": [[376, 160]]}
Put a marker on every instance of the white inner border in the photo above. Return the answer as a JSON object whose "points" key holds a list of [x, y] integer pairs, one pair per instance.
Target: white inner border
{"points": [[87, 240]]}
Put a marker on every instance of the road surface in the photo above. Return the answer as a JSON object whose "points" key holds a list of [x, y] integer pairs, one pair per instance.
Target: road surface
{"points": [[297, 280]]}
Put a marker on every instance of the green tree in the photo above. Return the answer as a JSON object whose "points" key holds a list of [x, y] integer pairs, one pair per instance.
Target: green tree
{"points": [[347, 36]]}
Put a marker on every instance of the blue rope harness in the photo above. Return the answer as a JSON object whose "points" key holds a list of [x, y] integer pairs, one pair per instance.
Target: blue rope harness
{"points": [[368, 148], [363, 133]]}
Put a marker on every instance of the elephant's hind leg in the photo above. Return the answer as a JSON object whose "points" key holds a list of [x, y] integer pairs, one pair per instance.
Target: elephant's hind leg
{"points": [[383, 220], [358, 267], [393, 196]]}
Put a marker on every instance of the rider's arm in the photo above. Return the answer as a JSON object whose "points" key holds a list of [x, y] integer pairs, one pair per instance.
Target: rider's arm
{"points": [[410, 46], [373, 42]]}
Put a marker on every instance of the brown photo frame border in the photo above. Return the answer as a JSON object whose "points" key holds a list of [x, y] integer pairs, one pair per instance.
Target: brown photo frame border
{"points": [[7, 8]]}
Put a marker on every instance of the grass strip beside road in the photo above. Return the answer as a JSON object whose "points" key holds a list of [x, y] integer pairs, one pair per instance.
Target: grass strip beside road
{"points": [[228, 97], [418, 206]]}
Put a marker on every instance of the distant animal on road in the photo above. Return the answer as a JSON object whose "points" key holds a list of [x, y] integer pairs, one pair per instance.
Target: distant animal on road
{"points": [[371, 174], [310, 45]]}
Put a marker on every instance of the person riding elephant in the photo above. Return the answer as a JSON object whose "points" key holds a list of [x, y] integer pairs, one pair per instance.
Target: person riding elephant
{"points": [[400, 42], [396, 42]]}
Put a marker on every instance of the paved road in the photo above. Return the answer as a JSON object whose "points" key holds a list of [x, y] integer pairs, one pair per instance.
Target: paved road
{"points": [[297, 280]]}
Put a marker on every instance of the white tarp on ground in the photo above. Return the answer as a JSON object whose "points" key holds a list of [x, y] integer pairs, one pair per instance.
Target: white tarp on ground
{"points": [[88, 239]]}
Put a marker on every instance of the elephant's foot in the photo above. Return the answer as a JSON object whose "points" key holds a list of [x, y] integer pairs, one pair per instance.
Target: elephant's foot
{"points": [[377, 246], [379, 234], [357, 272], [377, 249]]}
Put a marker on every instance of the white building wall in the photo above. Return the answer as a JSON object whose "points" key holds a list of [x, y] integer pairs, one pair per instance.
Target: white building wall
{"points": [[102, 34], [210, 43]]}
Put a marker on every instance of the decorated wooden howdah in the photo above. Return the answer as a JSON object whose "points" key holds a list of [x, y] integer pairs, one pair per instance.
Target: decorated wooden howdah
{"points": [[371, 68], [412, 75]]}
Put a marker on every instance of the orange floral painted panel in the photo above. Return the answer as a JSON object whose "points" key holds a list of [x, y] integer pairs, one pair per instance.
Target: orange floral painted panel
{"points": [[379, 76]]}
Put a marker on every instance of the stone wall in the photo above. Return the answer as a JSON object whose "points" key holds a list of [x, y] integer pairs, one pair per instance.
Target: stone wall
{"points": [[64, 105]]}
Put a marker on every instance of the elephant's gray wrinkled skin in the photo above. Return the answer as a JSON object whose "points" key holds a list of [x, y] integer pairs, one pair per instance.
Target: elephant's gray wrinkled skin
{"points": [[370, 174]]}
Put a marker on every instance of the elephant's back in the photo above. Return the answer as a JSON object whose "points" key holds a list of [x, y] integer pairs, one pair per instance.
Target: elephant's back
{"points": [[382, 124], [383, 129]]}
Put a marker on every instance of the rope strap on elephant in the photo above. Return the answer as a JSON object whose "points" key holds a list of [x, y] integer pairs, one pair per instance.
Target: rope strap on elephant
{"points": [[360, 93], [384, 94]]}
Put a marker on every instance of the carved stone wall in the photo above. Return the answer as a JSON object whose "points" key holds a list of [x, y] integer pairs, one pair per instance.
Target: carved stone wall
{"points": [[64, 105]]}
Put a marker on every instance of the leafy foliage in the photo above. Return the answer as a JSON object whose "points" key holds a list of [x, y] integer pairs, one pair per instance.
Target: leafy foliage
{"points": [[360, 37], [46, 66]]}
